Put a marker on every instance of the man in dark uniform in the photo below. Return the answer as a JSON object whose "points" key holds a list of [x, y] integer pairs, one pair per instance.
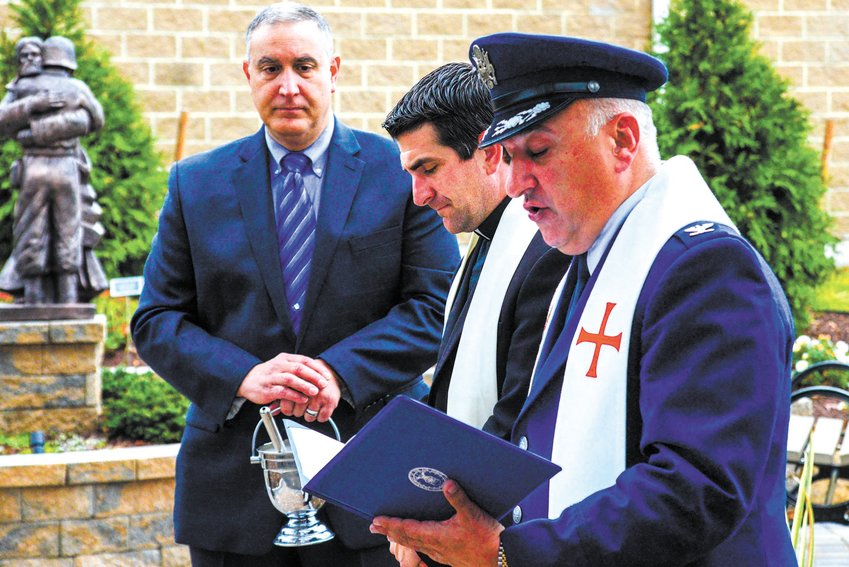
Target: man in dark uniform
{"points": [[662, 386]]}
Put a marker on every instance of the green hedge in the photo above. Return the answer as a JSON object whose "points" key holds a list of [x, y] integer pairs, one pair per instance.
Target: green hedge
{"points": [[142, 406], [729, 110]]}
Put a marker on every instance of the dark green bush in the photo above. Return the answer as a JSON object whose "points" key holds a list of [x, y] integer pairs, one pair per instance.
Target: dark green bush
{"points": [[142, 406], [127, 173], [727, 108]]}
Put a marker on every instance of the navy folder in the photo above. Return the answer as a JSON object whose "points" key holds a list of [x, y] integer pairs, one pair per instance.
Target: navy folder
{"points": [[397, 463]]}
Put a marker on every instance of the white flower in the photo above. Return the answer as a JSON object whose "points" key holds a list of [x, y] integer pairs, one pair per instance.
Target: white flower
{"points": [[801, 365], [801, 342], [841, 348]]}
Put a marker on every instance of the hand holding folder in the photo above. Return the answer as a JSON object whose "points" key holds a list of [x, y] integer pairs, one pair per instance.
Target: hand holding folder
{"points": [[396, 465]]}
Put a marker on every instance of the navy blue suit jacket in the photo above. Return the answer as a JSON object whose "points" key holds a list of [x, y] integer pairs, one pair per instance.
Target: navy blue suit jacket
{"points": [[520, 324], [708, 412], [214, 306]]}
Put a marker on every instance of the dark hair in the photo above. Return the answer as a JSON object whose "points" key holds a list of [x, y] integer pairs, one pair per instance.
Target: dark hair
{"points": [[453, 99]]}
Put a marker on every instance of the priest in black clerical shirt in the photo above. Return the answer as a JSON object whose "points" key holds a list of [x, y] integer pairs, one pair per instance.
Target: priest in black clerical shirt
{"points": [[498, 302]]}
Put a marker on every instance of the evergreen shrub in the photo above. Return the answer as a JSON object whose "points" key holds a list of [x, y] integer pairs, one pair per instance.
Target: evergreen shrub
{"points": [[728, 109], [142, 406]]}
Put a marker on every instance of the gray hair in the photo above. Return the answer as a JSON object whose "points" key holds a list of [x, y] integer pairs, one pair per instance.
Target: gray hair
{"points": [[285, 13], [603, 110]]}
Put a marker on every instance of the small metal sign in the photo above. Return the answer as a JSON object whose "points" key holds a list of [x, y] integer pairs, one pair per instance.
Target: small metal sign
{"points": [[126, 287]]}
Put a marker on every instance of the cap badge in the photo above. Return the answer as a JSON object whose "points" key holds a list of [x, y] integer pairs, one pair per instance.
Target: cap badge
{"points": [[520, 118], [485, 68]]}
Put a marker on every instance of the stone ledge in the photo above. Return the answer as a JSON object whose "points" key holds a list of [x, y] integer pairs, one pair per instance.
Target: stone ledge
{"points": [[91, 330], [46, 312], [22, 477], [148, 463], [101, 471], [100, 455], [53, 332], [24, 333]]}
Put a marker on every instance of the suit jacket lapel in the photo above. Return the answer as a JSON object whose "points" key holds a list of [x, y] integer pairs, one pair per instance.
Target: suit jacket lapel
{"points": [[551, 370], [251, 184], [449, 345], [452, 330], [556, 358], [342, 178]]}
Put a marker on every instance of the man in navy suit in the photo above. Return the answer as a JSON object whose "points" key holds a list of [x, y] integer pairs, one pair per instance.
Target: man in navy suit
{"points": [[496, 308], [219, 321], [662, 383]]}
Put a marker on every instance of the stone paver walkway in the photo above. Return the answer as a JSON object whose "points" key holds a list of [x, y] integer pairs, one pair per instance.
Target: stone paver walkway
{"points": [[831, 545]]}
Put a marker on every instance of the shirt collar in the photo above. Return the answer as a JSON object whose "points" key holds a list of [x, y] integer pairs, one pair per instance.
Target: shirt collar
{"points": [[317, 151], [490, 224]]}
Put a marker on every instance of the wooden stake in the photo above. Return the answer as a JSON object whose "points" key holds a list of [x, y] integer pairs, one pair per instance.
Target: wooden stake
{"points": [[181, 135], [826, 148]]}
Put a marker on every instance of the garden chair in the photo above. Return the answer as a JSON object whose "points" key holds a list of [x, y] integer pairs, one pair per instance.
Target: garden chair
{"points": [[828, 373], [820, 415]]}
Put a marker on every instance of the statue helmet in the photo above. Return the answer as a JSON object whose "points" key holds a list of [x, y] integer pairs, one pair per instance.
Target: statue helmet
{"points": [[59, 52]]}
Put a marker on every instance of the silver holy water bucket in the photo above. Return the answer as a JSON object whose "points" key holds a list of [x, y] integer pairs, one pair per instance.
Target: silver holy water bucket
{"points": [[283, 484]]}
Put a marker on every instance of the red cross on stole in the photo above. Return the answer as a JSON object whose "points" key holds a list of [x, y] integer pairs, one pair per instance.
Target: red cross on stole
{"points": [[600, 340]]}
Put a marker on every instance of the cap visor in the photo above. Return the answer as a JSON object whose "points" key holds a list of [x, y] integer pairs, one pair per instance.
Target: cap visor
{"points": [[519, 118]]}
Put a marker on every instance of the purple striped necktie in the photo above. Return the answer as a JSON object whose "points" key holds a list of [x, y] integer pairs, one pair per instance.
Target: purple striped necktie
{"points": [[295, 234]]}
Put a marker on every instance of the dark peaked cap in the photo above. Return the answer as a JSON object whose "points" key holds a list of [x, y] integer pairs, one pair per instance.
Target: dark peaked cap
{"points": [[533, 77]]}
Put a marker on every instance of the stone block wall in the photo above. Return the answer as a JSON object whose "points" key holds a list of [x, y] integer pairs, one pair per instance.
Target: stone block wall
{"points": [[186, 55], [809, 42], [92, 508], [49, 375]]}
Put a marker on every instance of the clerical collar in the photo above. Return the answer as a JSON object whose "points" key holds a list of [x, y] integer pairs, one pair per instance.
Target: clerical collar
{"points": [[317, 151], [490, 224]]}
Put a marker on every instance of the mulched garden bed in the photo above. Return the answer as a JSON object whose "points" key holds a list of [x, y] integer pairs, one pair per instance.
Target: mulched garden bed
{"points": [[831, 323]]}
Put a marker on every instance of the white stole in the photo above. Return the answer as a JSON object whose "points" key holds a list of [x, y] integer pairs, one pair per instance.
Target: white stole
{"points": [[473, 390], [589, 435]]}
